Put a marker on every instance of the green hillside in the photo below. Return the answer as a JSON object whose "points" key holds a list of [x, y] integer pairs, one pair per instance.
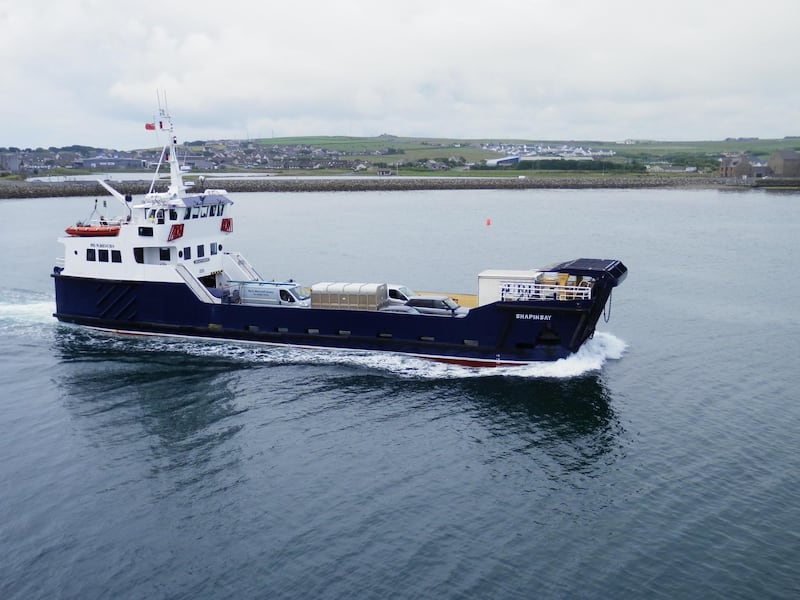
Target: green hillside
{"points": [[474, 150]]}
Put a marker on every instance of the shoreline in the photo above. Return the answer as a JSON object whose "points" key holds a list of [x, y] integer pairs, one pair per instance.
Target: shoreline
{"points": [[23, 189]]}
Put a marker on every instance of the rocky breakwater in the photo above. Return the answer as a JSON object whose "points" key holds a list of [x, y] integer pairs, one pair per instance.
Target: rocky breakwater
{"points": [[23, 189], [39, 189], [343, 184]]}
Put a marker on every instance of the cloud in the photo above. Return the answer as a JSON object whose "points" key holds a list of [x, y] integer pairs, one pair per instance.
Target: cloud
{"points": [[88, 71]]}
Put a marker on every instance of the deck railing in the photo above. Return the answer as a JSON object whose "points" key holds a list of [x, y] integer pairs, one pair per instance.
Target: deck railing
{"points": [[514, 291], [244, 265], [198, 288]]}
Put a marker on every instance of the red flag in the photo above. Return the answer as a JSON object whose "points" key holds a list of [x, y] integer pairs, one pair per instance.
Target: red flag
{"points": [[150, 126]]}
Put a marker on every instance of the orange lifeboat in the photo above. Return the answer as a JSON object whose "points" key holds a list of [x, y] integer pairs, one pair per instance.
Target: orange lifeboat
{"points": [[93, 230]]}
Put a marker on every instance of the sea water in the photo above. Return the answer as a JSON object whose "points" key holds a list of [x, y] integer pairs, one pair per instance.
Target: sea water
{"points": [[659, 461]]}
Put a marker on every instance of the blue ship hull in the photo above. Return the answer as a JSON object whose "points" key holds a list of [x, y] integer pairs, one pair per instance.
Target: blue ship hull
{"points": [[495, 334]]}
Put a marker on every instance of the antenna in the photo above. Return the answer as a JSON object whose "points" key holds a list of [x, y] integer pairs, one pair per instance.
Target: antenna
{"points": [[161, 99]]}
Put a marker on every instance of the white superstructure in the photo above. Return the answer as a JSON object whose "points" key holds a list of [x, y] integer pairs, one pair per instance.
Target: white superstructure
{"points": [[165, 236]]}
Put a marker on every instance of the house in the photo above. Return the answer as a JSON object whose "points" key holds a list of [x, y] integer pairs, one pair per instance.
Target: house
{"points": [[109, 162], [784, 163], [503, 162], [10, 161], [735, 166]]}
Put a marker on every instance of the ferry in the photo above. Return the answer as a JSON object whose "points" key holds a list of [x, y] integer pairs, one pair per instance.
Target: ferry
{"points": [[166, 267]]}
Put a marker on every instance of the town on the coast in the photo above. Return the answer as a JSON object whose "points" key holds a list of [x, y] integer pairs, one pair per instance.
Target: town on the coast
{"points": [[734, 158]]}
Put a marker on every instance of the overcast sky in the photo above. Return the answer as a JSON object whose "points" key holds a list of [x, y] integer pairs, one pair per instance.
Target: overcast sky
{"points": [[87, 71]]}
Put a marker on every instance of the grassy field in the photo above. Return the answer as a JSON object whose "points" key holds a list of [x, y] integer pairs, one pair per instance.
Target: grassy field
{"points": [[757, 148], [408, 149]]}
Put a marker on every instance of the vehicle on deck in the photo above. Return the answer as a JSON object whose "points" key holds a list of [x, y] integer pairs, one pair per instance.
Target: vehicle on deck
{"points": [[436, 305]]}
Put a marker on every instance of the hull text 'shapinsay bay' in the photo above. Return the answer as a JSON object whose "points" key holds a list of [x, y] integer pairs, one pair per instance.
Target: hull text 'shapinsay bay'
{"points": [[164, 268]]}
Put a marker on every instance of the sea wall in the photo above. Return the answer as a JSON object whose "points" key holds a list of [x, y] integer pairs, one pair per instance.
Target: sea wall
{"points": [[22, 189]]}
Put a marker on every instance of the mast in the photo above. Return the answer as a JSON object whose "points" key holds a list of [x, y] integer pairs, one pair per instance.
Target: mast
{"points": [[169, 153], [176, 185]]}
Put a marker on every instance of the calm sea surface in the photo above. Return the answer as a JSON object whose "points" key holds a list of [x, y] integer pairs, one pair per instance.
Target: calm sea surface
{"points": [[662, 462]]}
